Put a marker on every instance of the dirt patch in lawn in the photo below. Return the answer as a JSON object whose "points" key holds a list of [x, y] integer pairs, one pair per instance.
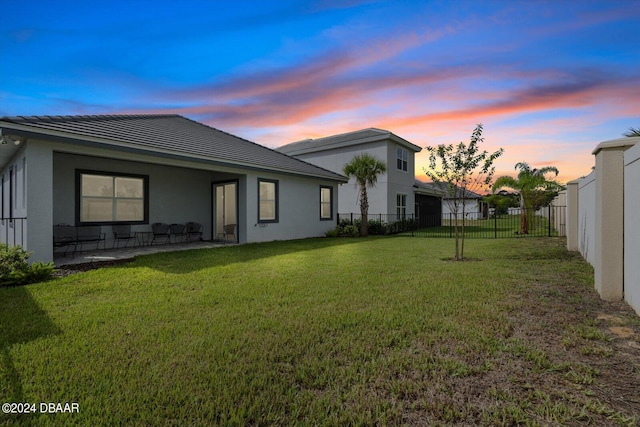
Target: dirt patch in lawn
{"points": [[67, 270], [562, 357], [573, 357]]}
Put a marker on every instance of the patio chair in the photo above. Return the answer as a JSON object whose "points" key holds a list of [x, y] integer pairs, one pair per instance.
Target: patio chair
{"points": [[194, 229], [160, 231], [123, 232], [65, 236], [91, 234], [229, 230], [178, 230]]}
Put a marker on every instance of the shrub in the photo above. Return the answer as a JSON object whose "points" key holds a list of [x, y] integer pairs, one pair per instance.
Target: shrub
{"points": [[15, 268], [377, 227], [350, 230], [347, 228], [333, 233], [344, 222]]}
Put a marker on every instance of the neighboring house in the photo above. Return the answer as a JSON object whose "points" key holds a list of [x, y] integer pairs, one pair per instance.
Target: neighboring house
{"points": [[141, 169], [394, 191], [428, 210], [471, 202]]}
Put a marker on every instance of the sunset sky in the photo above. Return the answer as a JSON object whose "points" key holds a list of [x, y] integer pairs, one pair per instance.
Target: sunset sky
{"points": [[548, 79]]}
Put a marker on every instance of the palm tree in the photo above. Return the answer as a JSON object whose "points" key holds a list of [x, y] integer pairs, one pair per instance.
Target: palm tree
{"points": [[365, 169], [632, 132], [528, 181]]}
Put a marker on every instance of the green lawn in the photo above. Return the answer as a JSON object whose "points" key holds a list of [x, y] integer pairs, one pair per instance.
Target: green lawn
{"points": [[382, 330]]}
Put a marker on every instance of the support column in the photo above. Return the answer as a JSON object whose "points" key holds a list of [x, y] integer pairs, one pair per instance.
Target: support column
{"points": [[572, 215], [39, 179], [609, 218]]}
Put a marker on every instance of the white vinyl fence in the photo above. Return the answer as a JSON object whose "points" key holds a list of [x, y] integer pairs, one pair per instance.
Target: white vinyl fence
{"points": [[602, 219], [632, 227]]}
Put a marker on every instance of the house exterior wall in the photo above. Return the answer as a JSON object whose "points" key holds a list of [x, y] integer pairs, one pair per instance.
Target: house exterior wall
{"points": [[22, 187], [632, 227], [298, 208], [13, 200], [179, 191], [348, 194], [28, 199], [176, 194], [399, 181], [39, 201], [383, 197], [471, 209]]}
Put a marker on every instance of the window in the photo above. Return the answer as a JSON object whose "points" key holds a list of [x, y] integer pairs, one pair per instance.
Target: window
{"points": [[402, 162], [267, 200], [401, 205], [326, 202], [107, 198]]}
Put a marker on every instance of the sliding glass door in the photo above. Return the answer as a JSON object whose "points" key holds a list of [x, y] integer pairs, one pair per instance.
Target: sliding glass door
{"points": [[226, 211]]}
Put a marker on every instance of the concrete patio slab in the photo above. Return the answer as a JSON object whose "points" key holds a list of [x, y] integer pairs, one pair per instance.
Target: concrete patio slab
{"points": [[131, 252]]}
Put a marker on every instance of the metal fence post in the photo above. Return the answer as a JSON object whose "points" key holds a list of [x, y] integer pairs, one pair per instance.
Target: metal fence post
{"points": [[413, 226], [495, 223], [549, 218]]}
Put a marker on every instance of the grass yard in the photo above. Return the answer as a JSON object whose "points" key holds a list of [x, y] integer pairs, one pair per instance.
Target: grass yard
{"points": [[382, 330], [502, 226]]}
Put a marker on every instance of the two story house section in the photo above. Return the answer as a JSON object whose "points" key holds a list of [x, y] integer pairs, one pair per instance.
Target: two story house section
{"points": [[394, 191]]}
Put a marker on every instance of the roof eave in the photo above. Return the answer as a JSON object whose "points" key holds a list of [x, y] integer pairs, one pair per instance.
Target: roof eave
{"points": [[28, 132], [382, 136]]}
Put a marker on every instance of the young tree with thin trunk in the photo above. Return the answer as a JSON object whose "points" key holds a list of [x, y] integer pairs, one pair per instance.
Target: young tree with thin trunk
{"points": [[459, 170], [365, 169]]}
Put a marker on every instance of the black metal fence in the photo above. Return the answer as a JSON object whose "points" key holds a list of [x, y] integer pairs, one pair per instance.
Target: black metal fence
{"points": [[545, 222], [13, 231]]}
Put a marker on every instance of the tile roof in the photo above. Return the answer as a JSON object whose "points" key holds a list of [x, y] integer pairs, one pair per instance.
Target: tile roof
{"points": [[344, 140], [171, 135], [441, 189]]}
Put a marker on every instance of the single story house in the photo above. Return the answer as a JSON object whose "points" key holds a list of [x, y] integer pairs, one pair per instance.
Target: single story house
{"points": [[394, 191], [140, 169]]}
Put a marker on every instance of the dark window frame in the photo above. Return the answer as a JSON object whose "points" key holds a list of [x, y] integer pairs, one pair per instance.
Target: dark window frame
{"points": [[276, 201], [330, 217], [145, 196]]}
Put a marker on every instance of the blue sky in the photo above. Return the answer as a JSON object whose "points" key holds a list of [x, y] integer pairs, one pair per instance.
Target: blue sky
{"points": [[549, 80]]}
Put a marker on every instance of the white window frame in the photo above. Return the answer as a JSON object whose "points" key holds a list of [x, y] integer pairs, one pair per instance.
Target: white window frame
{"points": [[402, 159], [401, 205]]}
